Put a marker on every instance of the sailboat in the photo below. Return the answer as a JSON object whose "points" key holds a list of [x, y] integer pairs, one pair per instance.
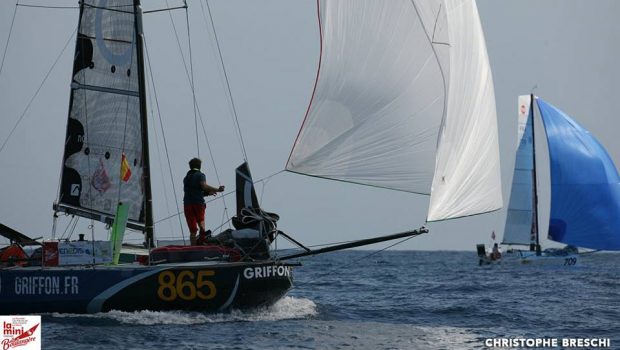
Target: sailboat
{"points": [[403, 100], [585, 189]]}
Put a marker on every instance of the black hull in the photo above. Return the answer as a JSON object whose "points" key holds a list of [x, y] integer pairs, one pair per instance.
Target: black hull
{"points": [[195, 286]]}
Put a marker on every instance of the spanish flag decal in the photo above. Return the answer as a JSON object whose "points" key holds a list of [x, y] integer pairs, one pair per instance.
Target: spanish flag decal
{"points": [[125, 170]]}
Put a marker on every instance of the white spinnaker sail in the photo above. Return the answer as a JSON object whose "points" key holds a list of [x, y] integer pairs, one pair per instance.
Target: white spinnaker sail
{"points": [[467, 179], [378, 101], [383, 92], [519, 218]]}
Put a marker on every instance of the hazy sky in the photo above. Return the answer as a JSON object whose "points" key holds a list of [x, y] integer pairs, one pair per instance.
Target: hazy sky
{"points": [[568, 49]]}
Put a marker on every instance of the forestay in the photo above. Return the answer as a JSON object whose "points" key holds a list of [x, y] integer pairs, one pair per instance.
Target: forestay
{"points": [[102, 163], [404, 100]]}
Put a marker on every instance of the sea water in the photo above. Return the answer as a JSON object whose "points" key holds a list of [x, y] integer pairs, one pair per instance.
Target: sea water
{"points": [[381, 300]]}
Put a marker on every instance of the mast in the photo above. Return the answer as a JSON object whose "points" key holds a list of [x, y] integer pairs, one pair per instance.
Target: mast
{"points": [[146, 167], [534, 246]]}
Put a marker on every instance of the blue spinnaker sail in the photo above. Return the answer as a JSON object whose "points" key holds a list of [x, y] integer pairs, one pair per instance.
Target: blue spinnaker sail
{"points": [[585, 186]]}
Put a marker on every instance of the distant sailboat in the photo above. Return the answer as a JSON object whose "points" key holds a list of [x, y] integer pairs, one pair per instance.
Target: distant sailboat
{"points": [[403, 100], [585, 188]]}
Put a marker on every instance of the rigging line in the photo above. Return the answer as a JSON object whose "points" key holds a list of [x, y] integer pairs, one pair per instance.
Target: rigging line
{"points": [[66, 228], [49, 7], [167, 9], [217, 174], [267, 178], [72, 223], [230, 96], [212, 50], [8, 38], [190, 74], [190, 79], [21, 117], [223, 196], [161, 124], [328, 244], [264, 181], [223, 222], [207, 202], [159, 157], [297, 285], [191, 69], [210, 150]]}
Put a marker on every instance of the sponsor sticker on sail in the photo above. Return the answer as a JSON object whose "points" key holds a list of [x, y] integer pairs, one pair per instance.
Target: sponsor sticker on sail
{"points": [[21, 332], [100, 179]]}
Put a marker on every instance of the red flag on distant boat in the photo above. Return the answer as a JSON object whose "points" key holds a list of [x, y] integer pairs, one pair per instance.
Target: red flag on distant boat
{"points": [[493, 235], [125, 170]]}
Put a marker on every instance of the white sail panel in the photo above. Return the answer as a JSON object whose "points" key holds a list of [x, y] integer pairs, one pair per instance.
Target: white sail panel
{"points": [[467, 179], [379, 97], [104, 129], [519, 221]]}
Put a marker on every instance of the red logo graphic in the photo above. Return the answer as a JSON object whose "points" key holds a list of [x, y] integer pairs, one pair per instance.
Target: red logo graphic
{"points": [[101, 180], [17, 332]]}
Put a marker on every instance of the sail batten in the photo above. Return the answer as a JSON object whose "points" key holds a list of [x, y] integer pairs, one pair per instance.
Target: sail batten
{"points": [[77, 86], [103, 158]]}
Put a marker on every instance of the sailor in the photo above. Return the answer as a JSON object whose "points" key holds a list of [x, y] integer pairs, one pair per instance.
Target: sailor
{"points": [[496, 254], [195, 188]]}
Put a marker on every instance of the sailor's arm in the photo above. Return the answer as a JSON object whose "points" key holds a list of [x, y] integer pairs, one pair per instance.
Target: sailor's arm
{"points": [[210, 190]]}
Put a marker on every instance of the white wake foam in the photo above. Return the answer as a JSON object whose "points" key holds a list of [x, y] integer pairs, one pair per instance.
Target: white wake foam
{"points": [[286, 308]]}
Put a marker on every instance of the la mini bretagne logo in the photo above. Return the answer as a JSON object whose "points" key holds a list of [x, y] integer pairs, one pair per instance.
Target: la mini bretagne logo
{"points": [[21, 332]]}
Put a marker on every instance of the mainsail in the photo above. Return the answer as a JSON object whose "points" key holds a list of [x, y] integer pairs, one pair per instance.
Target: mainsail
{"points": [[404, 100], [585, 185], [521, 210], [103, 158]]}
